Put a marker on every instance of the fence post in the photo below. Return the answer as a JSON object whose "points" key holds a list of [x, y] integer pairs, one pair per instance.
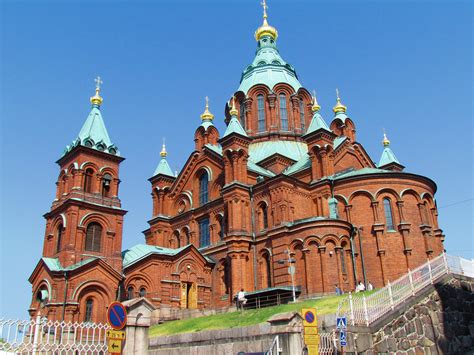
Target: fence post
{"points": [[431, 274], [352, 308], [410, 277], [390, 294], [36, 333], [366, 312]]}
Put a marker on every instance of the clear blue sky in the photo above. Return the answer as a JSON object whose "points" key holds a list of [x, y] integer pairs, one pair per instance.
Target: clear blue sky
{"points": [[403, 66]]}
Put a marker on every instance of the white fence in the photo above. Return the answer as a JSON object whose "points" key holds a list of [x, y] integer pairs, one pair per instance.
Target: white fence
{"points": [[40, 336], [361, 309], [327, 345]]}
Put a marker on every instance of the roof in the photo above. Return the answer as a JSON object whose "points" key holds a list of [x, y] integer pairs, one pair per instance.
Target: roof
{"points": [[93, 134], [303, 163], [53, 264], [388, 157], [234, 127], [290, 149], [338, 141], [317, 122], [163, 168], [362, 171], [141, 251], [268, 68]]}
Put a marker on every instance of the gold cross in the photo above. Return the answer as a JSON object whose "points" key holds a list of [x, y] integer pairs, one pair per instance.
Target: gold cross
{"points": [[265, 7], [98, 82]]}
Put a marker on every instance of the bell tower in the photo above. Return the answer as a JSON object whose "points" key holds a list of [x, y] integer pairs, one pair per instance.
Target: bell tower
{"points": [[85, 220]]}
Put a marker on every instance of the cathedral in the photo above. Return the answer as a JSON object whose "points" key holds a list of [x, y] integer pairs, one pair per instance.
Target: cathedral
{"points": [[282, 200]]}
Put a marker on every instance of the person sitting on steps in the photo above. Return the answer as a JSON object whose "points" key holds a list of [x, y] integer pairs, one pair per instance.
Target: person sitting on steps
{"points": [[241, 299]]}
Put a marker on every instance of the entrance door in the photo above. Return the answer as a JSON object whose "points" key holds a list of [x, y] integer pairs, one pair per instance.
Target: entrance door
{"points": [[188, 295]]}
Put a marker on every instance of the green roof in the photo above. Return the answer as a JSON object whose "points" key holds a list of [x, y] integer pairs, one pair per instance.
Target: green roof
{"points": [[93, 134], [338, 141], [290, 149], [388, 157], [302, 164], [234, 127], [362, 171], [317, 122], [53, 264], [163, 168], [268, 68]]}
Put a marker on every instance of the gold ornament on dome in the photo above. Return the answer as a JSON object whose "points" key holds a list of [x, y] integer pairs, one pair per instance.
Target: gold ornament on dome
{"points": [[339, 106], [385, 140], [265, 29], [315, 107], [207, 115], [97, 99], [233, 111], [163, 152]]}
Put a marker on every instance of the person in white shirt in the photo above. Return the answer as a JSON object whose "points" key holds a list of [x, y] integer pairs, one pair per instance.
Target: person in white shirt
{"points": [[370, 287], [360, 287], [241, 298]]}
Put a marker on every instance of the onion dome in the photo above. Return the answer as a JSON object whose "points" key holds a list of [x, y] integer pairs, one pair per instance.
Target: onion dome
{"points": [[315, 107], [97, 99], [339, 107], [266, 29], [207, 115], [385, 141]]}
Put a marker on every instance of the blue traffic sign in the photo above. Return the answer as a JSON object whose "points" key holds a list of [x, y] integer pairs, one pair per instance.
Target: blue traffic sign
{"points": [[117, 315], [309, 317], [341, 323], [343, 338]]}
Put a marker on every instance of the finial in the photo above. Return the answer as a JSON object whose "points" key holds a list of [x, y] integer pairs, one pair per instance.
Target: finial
{"points": [[207, 115], [97, 99], [339, 107], [265, 29], [233, 111], [315, 107], [163, 152], [385, 140]]}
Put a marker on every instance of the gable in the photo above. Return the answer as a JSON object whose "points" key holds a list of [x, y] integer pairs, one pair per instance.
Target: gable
{"points": [[351, 156]]}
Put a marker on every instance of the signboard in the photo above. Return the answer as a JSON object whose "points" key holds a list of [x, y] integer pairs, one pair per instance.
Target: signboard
{"points": [[116, 315], [115, 334], [114, 346], [311, 335], [311, 331], [341, 323], [309, 317], [343, 338], [311, 339]]}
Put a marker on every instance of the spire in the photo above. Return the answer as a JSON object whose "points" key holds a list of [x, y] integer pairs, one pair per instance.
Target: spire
{"points": [[317, 121], [339, 107], [388, 157], [163, 166], [234, 124], [207, 115], [265, 29], [93, 133]]}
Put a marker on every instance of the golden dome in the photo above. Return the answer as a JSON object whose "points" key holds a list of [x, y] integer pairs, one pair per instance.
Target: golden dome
{"points": [[315, 107], [207, 115], [163, 152], [97, 99], [339, 107], [233, 111], [266, 29], [385, 140]]}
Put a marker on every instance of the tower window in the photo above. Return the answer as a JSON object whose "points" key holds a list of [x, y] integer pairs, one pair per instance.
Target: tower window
{"points": [[59, 234], [106, 181], [204, 236], [302, 114], [93, 237], [388, 214], [88, 180], [242, 114], [130, 293], [89, 307], [142, 292], [343, 262], [203, 188], [261, 113], [283, 113], [264, 217], [221, 227]]}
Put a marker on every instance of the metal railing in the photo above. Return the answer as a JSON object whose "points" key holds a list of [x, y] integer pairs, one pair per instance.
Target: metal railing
{"points": [[362, 309], [327, 345], [40, 336]]}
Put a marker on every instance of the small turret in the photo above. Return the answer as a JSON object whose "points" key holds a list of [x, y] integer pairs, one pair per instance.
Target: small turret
{"points": [[388, 160], [163, 166]]}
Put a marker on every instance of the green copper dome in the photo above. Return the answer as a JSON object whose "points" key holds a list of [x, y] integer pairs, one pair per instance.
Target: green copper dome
{"points": [[268, 68]]}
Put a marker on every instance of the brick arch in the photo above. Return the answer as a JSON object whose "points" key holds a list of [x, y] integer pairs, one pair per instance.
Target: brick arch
{"points": [[259, 89], [363, 193], [200, 171], [108, 170], [312, 239], [90, 164], [412, 192], [330, 238], [94, 217], [296, 243], [41, 284], [96, 291], [137, 281], [283, 88], [387, 190], [337, 126]]}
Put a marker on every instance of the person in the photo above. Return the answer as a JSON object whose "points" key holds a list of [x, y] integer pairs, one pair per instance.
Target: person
{"points": [[241, 298], [360, 287], [338, 290], [370, 287]]}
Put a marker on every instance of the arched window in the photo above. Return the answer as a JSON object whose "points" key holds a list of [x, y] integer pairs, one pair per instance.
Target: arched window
{"points": [[283, 113], [204, 236], [88, 180], [343, 261], [424, 213], [261, 113], [93, 237], [264, 216], [268, 271], [221, 227], [89, 307], [142, 292], [130, 292], [203, 188], [388, 214], [242, 114], [188, 237], [59, 237], [302, 114], [106, 181]]}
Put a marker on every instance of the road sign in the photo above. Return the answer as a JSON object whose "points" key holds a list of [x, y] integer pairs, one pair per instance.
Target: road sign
{"points": [[311, 331], [309, 317], [116, 315], [313, 349], [115, 334], [114, 346], [343, 338], [341, 323], [311, 339]]}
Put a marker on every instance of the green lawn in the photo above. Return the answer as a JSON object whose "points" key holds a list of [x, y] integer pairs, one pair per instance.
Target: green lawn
{"points": [[325, 305]]}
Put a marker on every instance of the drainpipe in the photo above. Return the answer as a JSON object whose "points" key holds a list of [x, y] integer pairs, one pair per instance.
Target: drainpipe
{"points": [[65, 295], [362, 256], [254, 246]]}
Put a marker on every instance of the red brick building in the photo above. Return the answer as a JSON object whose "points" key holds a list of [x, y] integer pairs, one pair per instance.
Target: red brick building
{"points": [[278, 184]]}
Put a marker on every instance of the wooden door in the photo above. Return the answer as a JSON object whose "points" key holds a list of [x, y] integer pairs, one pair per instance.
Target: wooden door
{"points": [[184, 295], [193, 296]]}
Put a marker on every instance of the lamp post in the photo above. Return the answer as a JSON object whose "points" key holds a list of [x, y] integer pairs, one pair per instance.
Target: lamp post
{"points": [[291, 271]]}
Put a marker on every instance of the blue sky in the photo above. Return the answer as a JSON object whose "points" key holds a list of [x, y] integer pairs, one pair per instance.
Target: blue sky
{"points": [[405, 66]]}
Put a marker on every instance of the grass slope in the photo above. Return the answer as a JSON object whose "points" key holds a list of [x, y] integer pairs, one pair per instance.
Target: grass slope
{"points": [[326, 305]]}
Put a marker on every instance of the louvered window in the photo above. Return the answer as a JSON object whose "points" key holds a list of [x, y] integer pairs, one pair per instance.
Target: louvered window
{"points": [[93, 237], [283, 113], [88, 180], [261, 113]]}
